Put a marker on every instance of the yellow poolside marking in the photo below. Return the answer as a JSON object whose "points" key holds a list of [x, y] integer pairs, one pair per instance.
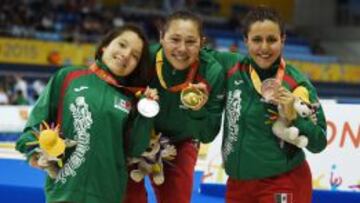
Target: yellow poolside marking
{"points": [[7, 145]]}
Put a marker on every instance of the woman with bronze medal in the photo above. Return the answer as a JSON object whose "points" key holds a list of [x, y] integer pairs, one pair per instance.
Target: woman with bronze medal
{"points": [[93, 109], [190, 85], [262, 167]]}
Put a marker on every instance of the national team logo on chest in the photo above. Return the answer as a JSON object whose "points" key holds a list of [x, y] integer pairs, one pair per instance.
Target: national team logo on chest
{"points": [[122, 104]]}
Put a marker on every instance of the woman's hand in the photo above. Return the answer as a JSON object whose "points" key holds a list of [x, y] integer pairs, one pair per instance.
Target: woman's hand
{"points": [[202, 87], [286, 100], [151, 93]]}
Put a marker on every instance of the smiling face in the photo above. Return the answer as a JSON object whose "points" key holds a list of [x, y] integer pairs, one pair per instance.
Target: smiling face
{"points": [[181, 42], [123, 53], [264, 42]]}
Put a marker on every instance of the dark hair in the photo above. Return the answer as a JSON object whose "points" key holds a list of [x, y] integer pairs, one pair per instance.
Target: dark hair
{"points": [[142, 74], [262, 13], [183, 15]]}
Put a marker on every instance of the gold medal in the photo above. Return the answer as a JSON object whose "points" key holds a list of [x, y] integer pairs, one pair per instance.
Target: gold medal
{"points": [[191, 97]]}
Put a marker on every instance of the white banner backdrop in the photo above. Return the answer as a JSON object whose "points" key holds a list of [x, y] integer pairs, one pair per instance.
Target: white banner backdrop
{"points": [[13, 118], [335, 168]]}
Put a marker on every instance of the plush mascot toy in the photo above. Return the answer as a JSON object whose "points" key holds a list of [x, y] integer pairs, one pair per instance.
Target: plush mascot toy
{"points": [[151, 161], [283, 129], [50, 149]]}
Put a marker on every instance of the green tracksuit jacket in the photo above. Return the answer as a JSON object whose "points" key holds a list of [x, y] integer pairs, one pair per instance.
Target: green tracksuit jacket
{"points": [[179, 123], [96, 115], [250, 149]]}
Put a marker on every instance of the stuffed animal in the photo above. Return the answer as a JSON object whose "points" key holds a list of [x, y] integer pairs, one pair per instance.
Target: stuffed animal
{"points": [[303, 108], [49, 163], [50, 148], [151, 161]]}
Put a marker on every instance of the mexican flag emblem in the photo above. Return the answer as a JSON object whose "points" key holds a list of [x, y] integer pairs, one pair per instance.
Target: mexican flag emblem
{"points": [[283, 198]]}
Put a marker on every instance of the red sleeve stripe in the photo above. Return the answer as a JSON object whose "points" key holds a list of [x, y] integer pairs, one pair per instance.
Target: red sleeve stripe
{"points": [[237, 66], [71, 76], [232, 70], [243, 67], [290, 81]]}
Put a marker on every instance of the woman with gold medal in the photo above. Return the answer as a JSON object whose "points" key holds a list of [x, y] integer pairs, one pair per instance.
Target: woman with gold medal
{"points": [[190, 88], [261, 167]]}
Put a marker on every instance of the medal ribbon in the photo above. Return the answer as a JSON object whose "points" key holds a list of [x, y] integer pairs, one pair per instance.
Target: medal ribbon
{"points": [[107, 77], [279, 75], [177, 88]]}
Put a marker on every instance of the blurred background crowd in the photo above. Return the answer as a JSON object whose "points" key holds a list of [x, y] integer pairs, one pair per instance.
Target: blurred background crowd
{"points": [[38, 36]]}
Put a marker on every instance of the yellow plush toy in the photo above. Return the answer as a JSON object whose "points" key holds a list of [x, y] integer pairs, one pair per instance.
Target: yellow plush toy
{"points": [[50, 149]]}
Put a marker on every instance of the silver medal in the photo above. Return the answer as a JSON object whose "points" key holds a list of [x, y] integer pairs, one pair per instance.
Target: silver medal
{"points": [[148, 107]]}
